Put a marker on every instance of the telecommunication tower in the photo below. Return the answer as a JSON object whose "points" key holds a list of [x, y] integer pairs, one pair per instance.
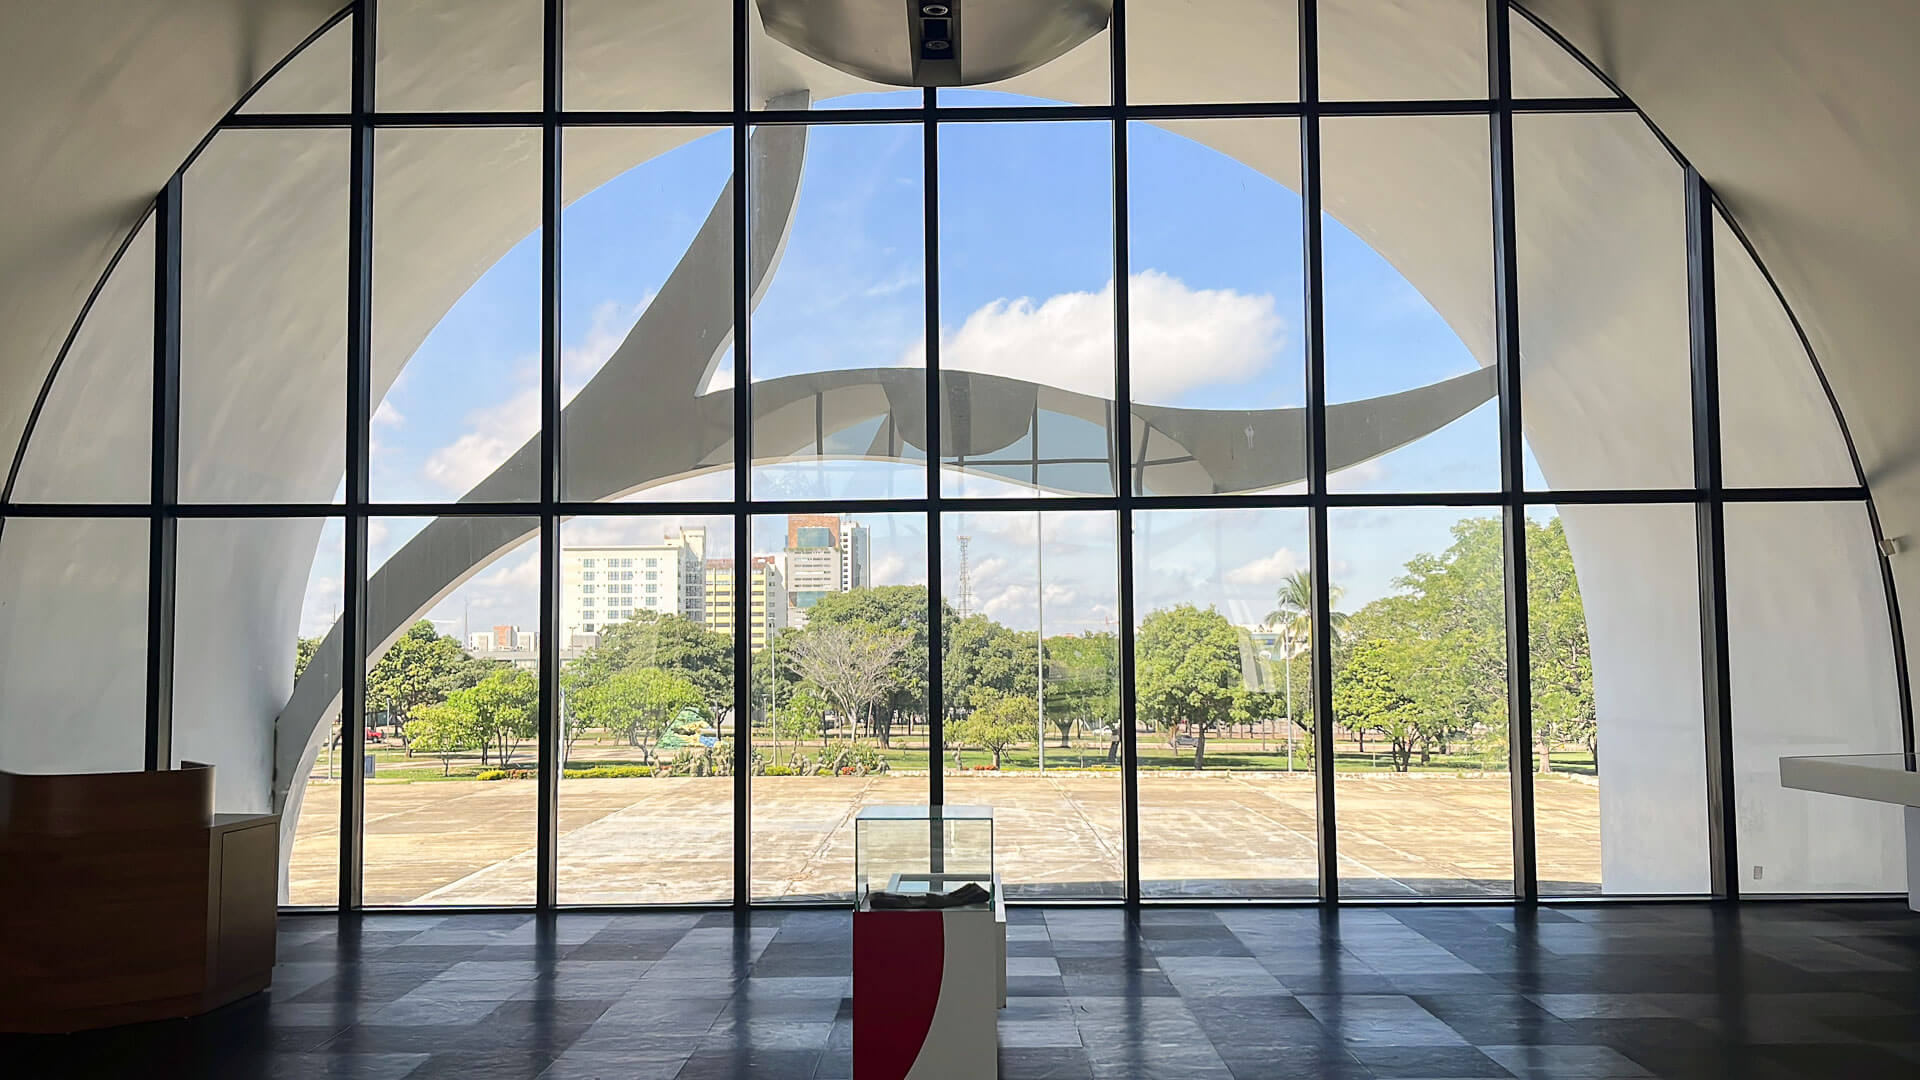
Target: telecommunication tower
{"points": [[966, 580]]}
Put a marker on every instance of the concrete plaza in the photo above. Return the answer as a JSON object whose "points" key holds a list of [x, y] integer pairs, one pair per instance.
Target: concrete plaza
{"points": [[1212, 834]]}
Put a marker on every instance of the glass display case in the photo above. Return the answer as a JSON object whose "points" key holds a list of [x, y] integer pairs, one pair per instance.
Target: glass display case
{"points": [[921, 849]]}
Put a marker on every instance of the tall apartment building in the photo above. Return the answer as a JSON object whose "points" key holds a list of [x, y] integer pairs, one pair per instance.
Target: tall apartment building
{"points": [[609, 584], [824, 555], [766, 583]]}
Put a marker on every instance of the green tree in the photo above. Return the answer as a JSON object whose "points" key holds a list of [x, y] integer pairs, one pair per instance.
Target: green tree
{"points": [[801, 716], [1187, 669], [671, 643], [1371, 694], [984, 660], [1083, 683], [637, 706], [422, 667], [1561, 656], [890, 612], [850, 666], [996, 724], [504, 709], [444, 731], [303, 651]]}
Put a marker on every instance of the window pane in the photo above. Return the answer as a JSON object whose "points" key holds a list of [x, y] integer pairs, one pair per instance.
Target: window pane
{"points": [[1408, 273], [1542, 69], [93, 440], [1026, 302], [1420, 697], [1404, 51], [646, 795], [1223, 670], [451, 753], [646, 312], [318, 79], [73, 644], [839, 360], [1251, 52], [256, 601], [263, 318], [648, 56], [1811, 651], [1602, 228], [840, 693], [1033, 54], [1032, 729], [1613, 617], [312, 811], [456, 335], [459, 55], [1216, 307], [1777, 426]]}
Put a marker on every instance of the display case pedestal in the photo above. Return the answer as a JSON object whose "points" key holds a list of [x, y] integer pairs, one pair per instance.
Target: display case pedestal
{"points": [[927, 989]]}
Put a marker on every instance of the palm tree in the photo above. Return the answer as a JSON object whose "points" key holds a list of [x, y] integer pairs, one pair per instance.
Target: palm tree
{"points": [[1292, 616]]}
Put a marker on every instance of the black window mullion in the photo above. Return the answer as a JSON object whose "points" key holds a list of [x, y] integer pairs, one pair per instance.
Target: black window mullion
{"points": [[742, 471], [935, 400], [1315, 342], [550, 743], [359, 410], [1710, 535], [164, 494], [1123, 468], [1506, 300]]}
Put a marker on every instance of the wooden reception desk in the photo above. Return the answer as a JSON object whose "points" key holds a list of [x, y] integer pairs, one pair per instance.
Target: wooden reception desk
{"points": [[124, 898]]}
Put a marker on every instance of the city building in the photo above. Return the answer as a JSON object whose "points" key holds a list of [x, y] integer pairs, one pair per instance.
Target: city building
{"points": [[825, 554], [766, 585], [600, 586]]}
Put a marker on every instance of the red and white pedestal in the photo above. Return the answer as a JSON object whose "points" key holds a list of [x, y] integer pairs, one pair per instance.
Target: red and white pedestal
{"points": [[927, 990]]}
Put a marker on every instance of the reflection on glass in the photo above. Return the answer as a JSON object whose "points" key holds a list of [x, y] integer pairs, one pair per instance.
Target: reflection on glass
{"points": [[1031, 668], [1409, 304], [646, 315], [73, 644], [456, 315], [1777, 425], [646, 717], [452, 716], [1420, 703], [263, 322], [1215, 307], [1065, 51], [1428, 49], [459, 55], [1619, 756], [1026, 302], [1601, 222], [1812, 674], [839, 689], [839, 360], [1223, 676], [93, 439]]}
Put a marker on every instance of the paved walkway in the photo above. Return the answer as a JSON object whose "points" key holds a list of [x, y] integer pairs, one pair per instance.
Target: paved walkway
{"points": [[1215, 834]]}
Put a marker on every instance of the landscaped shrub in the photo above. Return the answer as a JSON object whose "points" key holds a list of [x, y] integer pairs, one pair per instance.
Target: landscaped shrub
{"points": [[608, 772], [780, 770], [504, 774]]}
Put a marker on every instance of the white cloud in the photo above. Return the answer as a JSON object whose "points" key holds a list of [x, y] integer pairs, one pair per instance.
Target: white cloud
{"points": [[388, 416], [494, 433], [1181, 338], [1268, 570]]}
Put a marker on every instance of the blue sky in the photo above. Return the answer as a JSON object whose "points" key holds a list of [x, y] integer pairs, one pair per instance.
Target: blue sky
{"points": [[1026, 289]]}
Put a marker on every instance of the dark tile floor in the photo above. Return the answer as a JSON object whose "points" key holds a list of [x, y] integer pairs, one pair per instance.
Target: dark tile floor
{"points": [[1764, 991]]}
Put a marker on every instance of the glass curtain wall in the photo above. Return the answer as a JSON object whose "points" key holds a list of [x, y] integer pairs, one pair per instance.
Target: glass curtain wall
{"points": [[589, 472]]}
